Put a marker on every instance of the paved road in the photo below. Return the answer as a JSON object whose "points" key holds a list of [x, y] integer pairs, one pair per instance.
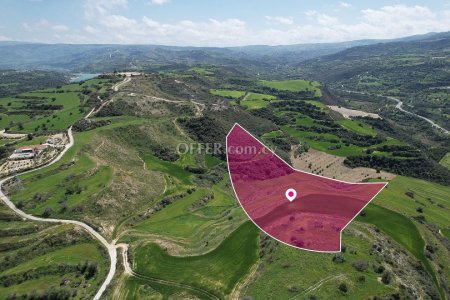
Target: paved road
{"points": [[399, 106]]}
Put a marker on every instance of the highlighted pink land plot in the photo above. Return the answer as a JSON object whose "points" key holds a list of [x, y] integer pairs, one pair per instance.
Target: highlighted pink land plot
{"points": [[297, 208]]}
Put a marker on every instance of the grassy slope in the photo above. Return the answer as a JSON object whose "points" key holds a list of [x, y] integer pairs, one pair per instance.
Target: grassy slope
{"points": [[55, 120], [228, 93], [293, 85], [357, 127], [217, 271], [445, 161], [29, 235], [288, 272]]}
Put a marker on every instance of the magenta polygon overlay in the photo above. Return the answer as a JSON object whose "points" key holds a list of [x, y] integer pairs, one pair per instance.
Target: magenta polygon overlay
{"points": [[322, 208]]}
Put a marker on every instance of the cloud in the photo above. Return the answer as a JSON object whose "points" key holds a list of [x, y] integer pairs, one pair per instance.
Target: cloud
{"points": [[327, 20], [311, 13], [4, 38], [96, 8], [43, 24], [159, 2], [345, 4], [280, 20], [111, 24], [118, 22]]}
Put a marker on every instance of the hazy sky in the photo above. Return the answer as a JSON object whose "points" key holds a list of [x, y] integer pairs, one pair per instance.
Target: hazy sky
{"points": [[217, 23]]}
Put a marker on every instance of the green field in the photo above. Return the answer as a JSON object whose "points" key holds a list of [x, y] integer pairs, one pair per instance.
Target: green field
{"points": [[257, 96], [36, 257], [432, 197], [400, 228], [445, 161], [228, 93], [287, 273], [357, 127], [64, 108], [216, 271], [293, 85]]}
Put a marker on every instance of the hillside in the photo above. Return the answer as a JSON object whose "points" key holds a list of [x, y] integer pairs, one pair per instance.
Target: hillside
{"points": [[178, 215]]}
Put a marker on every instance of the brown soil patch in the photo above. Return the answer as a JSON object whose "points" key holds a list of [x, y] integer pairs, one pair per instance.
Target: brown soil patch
{"points": [[332, 166]]}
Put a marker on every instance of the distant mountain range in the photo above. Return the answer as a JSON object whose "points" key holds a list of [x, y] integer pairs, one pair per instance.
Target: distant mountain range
{"points": [[92, 58]]}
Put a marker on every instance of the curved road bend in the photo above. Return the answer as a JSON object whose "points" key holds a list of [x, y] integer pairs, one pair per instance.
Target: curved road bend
{"points": [[112, 248], [399, 107]]}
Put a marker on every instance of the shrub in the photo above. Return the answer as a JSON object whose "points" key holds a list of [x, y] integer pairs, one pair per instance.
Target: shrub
{"points": [[343, 288], [360, 265], [338, 258], [386, 277]]}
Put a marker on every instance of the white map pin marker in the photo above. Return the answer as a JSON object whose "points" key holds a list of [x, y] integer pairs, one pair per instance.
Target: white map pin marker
{"points": [[291, 194]]}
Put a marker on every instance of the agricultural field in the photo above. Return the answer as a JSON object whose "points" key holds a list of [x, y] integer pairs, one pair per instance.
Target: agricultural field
{"points": [[293, 85], [37, 259], [51, 109], [187, 236], [357, 127], [228, 93], [217, 271], [445, 161]]}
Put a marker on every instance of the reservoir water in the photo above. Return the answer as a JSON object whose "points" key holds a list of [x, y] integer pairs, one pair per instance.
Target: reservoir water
{"points": [[82, 77]]}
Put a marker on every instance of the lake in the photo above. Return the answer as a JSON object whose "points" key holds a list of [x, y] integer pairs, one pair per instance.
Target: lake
{"points": [[82, 77]]}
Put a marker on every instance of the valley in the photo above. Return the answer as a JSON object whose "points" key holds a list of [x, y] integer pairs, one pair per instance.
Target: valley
{"points": [[118, 212]]}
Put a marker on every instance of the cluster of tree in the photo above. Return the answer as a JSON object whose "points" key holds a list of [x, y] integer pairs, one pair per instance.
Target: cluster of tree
{"points": [[40, 247], [14, 82], [52, 293], [302, 107], [212, 176], [115, 108], [167, 201], [86, 124], [87, 269], [267, 113], [33, 106], [416, 167]]}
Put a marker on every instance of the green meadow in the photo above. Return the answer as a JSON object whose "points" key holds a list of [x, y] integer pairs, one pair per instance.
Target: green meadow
{"points": [[293, 85], [228, 93], [357, 127], [287, 273], [216, 271], [445, 161]]}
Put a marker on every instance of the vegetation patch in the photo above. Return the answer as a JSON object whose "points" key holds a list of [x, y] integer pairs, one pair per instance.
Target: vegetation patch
{"points": [[216, 271]]}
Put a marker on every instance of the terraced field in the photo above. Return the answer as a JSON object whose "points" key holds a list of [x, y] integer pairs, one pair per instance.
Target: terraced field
{"points": [[38, 259], [186, 233]]}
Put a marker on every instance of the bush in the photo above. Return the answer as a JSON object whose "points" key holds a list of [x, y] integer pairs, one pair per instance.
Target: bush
{"points": [[343, 288], [386, 277], [360, 265], [338, 258], [47, 212], [361, 279]]}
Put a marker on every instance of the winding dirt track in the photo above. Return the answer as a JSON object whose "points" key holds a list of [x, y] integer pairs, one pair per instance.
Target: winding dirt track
{"points": [[112, 248]]}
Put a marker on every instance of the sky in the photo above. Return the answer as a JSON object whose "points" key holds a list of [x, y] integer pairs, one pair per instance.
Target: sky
{"points": [[217, 23]]}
